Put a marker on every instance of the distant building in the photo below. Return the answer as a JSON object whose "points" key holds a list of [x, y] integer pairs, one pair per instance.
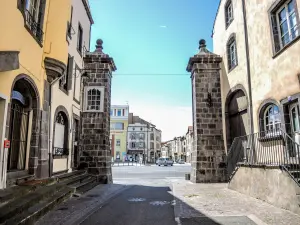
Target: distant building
{"points": [[189, 140], [118, 131], [143, 139]]}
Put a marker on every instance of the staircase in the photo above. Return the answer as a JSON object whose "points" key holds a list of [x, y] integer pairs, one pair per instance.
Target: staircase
{"points": [[27, 202], [271, 148]]}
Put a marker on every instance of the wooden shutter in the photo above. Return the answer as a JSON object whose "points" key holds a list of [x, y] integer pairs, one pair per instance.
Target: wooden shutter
{"points": [[275, 32], [70, 72]]}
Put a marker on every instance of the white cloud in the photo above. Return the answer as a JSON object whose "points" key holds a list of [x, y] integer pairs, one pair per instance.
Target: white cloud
{"points": [[163, 26], [171, 120]]}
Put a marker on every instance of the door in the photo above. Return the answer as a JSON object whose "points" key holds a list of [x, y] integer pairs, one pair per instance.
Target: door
{"points": [[18, 136], [294, 113]]}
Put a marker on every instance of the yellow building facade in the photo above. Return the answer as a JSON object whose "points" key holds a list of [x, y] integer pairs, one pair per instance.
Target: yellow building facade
{"points": [[33, 53], [118, 131]]}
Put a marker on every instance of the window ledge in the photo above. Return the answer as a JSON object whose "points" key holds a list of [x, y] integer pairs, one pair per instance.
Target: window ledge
{"points": [[231, 69], [270, 138], [286, 47], [63, 90], [228, 24]]}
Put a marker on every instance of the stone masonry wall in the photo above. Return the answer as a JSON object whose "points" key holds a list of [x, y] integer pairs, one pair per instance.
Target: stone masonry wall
{"points": [[95, 155]]}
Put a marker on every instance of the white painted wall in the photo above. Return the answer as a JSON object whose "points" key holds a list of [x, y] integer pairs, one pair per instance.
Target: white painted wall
{"points": [[3, 152], [67, 100]]}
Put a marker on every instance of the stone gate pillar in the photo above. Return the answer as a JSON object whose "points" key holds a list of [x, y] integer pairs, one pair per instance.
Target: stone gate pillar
{"points": [[95, 155], [208, 155]]}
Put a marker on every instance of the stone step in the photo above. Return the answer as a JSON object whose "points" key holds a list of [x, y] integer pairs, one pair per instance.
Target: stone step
{"points": [[24, 179], [18, 205], [87, 187], [67, 176], [75, 179], [32, 214], [86, 182], [9, 194]]}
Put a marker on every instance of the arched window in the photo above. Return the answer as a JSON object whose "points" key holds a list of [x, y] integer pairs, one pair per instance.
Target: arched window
{"points": [[94, 99], [271, 118], [231, 52]]}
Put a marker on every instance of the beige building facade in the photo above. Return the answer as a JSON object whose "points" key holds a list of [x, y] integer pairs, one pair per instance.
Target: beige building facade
{"points": [[66, 93], [259, 44]]}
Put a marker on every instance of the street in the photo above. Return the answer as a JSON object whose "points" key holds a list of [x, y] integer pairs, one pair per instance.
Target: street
{"points": [[149, 201], [148, 195]]}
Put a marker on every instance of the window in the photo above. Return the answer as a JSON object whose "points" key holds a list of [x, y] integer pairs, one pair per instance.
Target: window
{"points": [[70, 24], [66, 83], [231, 53], [141, 144], [151, 136], [79, 39], [228, 13], [118, 126], [111, 112], [132, 145], [94, 99], [151, 145], [123, 112], [133, 136], [119, 112], [271, 118], [33, 11], [141, 136], [285, 24], [118, 142], [141, 128]]}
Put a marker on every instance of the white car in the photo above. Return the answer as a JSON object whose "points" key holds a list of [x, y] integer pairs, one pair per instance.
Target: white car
{"points": [[164, 162]]}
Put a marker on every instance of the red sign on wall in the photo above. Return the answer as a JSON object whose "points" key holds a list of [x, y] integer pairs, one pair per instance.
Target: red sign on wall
{"points": [[6, 144]]}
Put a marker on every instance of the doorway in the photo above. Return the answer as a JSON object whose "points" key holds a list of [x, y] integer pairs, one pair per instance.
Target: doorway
{"points": [[238, 119], [18, 134], [294, 116]]}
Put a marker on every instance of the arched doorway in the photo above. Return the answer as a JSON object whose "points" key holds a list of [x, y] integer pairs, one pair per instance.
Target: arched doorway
{"points": [[237, 121], [23, 124], [60, 149]]}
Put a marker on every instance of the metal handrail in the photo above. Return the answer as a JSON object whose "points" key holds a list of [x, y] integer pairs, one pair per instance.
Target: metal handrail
{"points": [[272, 147]]}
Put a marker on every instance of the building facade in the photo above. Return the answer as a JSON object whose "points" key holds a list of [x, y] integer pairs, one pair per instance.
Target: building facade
{"points": [[28, 66], [143, 142], [118, 131], [189, 139], [259, 44], [66, 92]]}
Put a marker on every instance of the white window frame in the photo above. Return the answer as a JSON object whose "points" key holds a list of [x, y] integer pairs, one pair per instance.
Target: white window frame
{"points": [[229, 11], [141, 136], [118, 142], [232, 54], [274, 124], [287, 18], [132, 136], [31, 8], [101, 108]]}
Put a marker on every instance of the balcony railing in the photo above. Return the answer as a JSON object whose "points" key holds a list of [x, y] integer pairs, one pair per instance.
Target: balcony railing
{"points": [[33, 26], [267, 148], [60, 151]]}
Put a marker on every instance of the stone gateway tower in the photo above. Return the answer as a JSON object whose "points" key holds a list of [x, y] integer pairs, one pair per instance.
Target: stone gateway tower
{"points": [[95, 155], [208, 156]]}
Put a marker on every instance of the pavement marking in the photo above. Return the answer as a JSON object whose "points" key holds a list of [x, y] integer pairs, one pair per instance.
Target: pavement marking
{"points": [[137, 200], [177, 219], [159, 203]]}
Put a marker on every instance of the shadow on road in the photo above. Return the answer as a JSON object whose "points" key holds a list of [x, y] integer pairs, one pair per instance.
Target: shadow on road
{"points": [[145, 205]]}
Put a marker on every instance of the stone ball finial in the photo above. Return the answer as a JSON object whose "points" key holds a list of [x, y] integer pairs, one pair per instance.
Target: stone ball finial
{"points": [[202, 43], [99, 46]]}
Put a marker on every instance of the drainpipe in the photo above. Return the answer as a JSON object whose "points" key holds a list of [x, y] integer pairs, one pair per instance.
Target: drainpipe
{"points": [[248, 67]]}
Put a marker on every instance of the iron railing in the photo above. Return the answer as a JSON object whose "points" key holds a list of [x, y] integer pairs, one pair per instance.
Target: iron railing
{"points": [[270, 148], [60, 151], [33, 26]]}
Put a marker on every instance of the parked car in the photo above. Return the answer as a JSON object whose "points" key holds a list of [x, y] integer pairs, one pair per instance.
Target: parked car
{"points": [[180, 161], [165, 162]]}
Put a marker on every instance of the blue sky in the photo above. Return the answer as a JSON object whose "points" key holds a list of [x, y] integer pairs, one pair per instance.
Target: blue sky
{"points": [[154, 37]]}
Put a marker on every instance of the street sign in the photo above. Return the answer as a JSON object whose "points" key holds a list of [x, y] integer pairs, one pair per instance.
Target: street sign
{"points": [[6, 144]]}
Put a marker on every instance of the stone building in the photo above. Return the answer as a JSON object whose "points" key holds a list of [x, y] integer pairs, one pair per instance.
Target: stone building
{"points": [[259, 44]]}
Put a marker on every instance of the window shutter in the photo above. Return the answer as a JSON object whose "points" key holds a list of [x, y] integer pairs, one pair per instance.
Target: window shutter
{"points": [[275, 32], [70, 72]]}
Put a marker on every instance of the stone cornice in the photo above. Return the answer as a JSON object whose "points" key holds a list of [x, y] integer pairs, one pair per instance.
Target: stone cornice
{"points": [[54, 68]]}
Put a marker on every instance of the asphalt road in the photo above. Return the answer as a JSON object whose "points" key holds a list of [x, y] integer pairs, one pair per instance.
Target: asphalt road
{"points": [[148, 201]]}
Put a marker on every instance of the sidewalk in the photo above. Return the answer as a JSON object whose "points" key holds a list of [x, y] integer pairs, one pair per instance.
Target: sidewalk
{"points": [[217, 202]]}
